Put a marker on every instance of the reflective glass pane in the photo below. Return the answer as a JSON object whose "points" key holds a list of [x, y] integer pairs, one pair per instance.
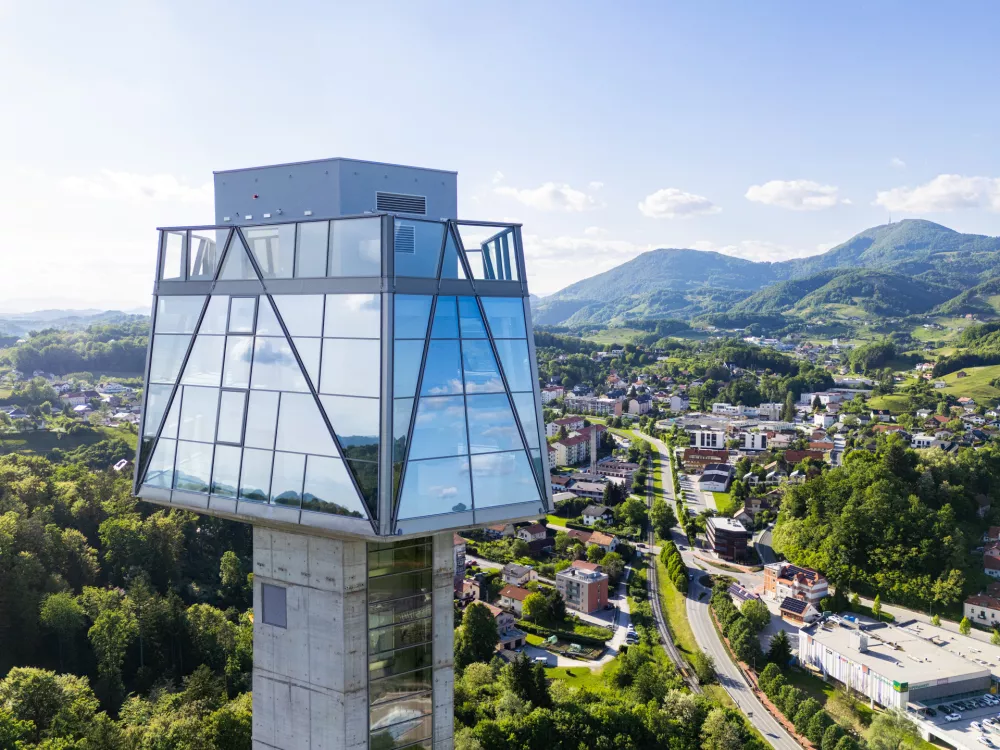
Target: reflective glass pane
{"points": [[216, 315], [400, 662], [366, 475], [505, 316], [404, 734], [242, 311], [401, 413], [194, 466], [173, 256], [173, 416], [406, 366], [470, 321], [477, 264], [503, 479], [394, 637], [178, 314], [168, 355], [239, 355], [350, 367], [328, 488], [236, 265], [516, 365], [436, 486], [203, 253], [232, 406], [499, 256], [204, 365], [480, 366], [286, 479], [355, 421], [275, 367], [160, 471], [198, 412], [403, 585], [353, 316], [525, 404], [356, 247], [301, 427], [156, 403], [301, 313], [491, 424], [399, 560], [536, 462], [310, 256], [410, 319], [417, 247], [445, 319], [255, 476], [443, 371], [226, 470], [397, 611], [308, 350], [267, 322], [451, 266], [262, 416], [391, 687], [273, 248], [439, 429]]}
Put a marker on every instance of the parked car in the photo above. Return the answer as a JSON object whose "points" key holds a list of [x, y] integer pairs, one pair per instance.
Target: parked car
{"points": [[976, 725], [986, 740], [540, 660], [953, 717], [931, 711]]}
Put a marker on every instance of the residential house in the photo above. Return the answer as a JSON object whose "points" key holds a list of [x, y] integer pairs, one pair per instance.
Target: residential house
{"points": [[572, 424], [704, 438], [591, 490], [532, 532], [983, 609], [552, 392], [754, 441], [600, 405], [560, 482], [992, 534], [470, 590], [782, 580], [583, 586], [510, 636], [824, 419], [500, 530], [991, 566], [794, 457], [881, 415], [617, 469], [741, 595], [797, 611], [640, 404], [607, 542], [594, 513], [961, 374], [679, 403], [924, 413], [696, 459], [727, 538], [938, 384], [984, 503], [518, 575], [559, 497], [922, 440], [512, 598]]}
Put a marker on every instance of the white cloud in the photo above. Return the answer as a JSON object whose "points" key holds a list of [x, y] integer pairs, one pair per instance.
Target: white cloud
{"points": [[897, 163], [756, 250], [595, 185], [497, 177], [134, 188], [672, 203], [556, 262], [946, 192], [552, 196], [595, 232], [796, 195]]}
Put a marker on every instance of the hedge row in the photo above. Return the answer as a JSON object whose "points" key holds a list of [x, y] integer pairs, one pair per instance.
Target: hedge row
{"points": [[676, 570]]}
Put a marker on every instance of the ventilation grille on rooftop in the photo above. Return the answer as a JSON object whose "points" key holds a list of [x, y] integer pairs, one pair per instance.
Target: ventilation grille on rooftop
{"points": [[406, 239], [399, 203]]}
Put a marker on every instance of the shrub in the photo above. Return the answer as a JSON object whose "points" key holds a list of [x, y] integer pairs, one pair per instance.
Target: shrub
{"points": [[804, 713]]}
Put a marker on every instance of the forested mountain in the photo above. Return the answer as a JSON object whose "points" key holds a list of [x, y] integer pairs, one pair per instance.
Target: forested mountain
{"points": [[118, 346], [907, 267]]}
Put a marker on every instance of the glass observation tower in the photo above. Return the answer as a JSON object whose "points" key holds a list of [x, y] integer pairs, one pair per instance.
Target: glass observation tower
{"points": [[342, 363]]}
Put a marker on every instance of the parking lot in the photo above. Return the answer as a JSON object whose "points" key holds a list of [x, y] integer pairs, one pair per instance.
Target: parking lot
{"points": [[978, 727]]}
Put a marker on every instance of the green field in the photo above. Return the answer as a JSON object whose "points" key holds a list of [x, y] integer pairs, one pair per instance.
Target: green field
{"points": [[40, 443], [897, 403], [976, 385], [724, 503], [614, 335], [578, 677], [674, 606]]}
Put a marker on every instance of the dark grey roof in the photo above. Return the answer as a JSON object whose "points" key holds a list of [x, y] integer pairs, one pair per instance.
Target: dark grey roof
{"points": [[791, 604]]}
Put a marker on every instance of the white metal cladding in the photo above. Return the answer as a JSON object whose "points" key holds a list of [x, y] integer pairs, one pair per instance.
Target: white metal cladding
{"points": [[260, 341]]}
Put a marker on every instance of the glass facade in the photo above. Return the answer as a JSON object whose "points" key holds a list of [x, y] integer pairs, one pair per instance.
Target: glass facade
{"points": [[400, 659], [269, 380]]}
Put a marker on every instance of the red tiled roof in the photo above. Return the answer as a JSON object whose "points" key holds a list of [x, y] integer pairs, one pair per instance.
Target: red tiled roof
{"points": [[584, 565], [514, 592], [981, 600], [991, 563]]}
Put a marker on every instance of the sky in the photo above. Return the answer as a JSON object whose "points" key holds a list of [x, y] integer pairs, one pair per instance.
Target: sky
{"points": [[762, 130]]}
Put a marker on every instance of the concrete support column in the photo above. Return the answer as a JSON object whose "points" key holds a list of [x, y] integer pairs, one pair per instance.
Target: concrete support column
{"points": [[444, 641], [310, 677]]}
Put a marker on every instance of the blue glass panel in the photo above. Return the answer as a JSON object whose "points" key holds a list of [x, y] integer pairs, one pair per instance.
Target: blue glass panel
{"points": [[366, 475], [203, 252], [226, 470], [536, 462], [436, 486], [301, 313], [525, 404], [262, 418], [516, 365], [286, 479], [239, 355], [194, 466], [204, 365], [198, 412], [439, 429], [505, 316], [445, 319], [255, 476], [480, 366], [491, 424], [160, 471], [232, 408], [267, 321], [274, 366], [216, 315], [356, 423], [443, 370], [471, 322], [273, 248], [177, 314], [301, 427], [168, 354], [402, 410], [329, 489], [353, 316], [356, 247], [411, 312], [351, 367], [417, 247], [503, 479], [237, 264], [406, 367], [451, 266], [156, 403], [242, 311]]}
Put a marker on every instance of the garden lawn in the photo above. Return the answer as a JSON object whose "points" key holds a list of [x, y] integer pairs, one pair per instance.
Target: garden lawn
{"points": [[41, 442], [976, 385], [579, 677], [725, 503]]}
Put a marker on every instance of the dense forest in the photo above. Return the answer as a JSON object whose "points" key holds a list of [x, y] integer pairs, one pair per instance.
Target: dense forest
{"points": [[894, 522], [122, 626], [112, 347]]}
